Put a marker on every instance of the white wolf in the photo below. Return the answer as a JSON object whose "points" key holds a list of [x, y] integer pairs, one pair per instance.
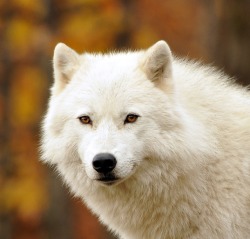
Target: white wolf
{"points": [[157, 147]]}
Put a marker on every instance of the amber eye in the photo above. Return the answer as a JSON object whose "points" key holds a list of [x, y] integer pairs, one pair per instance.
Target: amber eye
{"points": [[85, 119], [131, 118]]}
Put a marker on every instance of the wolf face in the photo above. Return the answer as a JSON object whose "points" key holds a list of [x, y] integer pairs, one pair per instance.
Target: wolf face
{"points": [[147, 143], [97, 114]]}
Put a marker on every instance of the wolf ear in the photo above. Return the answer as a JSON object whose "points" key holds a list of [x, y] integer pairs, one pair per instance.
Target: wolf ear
{"points": [[158, 63], [65, 62]]}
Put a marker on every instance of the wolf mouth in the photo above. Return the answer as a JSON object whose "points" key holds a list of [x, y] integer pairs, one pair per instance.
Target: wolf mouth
{"points": [[108, 180]]}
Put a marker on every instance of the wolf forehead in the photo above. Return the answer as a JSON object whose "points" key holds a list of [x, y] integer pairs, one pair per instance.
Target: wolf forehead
{"points": [[105, 69], [111, 74], [100, 78]]}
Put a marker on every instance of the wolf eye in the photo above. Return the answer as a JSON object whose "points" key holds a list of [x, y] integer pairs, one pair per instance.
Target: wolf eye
{"points": [[85, 119], [131, 118]]}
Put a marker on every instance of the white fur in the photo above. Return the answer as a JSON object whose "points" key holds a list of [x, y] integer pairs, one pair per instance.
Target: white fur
{"points": [[183, 166]]}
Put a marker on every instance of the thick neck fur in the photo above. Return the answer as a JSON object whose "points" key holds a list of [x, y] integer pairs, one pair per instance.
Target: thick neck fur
{"points": [[168, 202]]}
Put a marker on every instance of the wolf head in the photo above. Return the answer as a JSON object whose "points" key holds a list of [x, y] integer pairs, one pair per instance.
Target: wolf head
{"points": [[107, 112]]}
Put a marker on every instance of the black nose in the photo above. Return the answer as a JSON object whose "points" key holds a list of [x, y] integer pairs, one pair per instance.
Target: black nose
{"points": [[104, 163]]}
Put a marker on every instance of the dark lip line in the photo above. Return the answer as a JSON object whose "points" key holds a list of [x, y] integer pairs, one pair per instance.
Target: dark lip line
{"points": [[108, 180]]}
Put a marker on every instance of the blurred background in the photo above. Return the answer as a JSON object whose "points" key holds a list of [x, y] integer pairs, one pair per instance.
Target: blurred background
{"points": [[34, 204]]}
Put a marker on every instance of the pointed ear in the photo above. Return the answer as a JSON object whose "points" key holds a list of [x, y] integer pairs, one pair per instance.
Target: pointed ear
{"points": [[65, 62], [158, 63]]}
